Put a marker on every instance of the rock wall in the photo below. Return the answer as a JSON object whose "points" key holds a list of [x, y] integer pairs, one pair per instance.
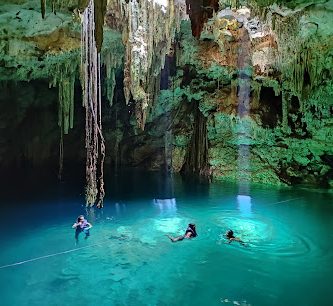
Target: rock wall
{"points": [[264, 83], [248, 84]]}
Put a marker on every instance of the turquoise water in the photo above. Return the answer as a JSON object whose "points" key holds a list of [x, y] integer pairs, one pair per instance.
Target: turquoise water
{"points": [[128, 260]]}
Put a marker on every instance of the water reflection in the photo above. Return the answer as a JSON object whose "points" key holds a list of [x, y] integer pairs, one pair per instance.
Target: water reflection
{"points": [[120, 208], [244, 204], [166, 205], [244, 200]]}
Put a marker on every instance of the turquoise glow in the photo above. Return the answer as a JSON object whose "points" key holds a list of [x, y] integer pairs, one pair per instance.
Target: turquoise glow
{"points": [[131, 262]]}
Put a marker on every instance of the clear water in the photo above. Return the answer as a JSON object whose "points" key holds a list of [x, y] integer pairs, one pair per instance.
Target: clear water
{"points": [[128, 260]]}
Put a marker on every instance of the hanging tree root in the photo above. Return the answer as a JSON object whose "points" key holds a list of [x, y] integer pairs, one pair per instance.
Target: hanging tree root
{"points": [[91, 75]]}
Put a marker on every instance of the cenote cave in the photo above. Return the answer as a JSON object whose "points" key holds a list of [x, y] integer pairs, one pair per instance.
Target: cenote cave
{"points": [[135, 135]]}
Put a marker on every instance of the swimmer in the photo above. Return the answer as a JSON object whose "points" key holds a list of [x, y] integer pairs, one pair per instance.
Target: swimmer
{"points": [[189, 233], [230, 236], [81, 225]]}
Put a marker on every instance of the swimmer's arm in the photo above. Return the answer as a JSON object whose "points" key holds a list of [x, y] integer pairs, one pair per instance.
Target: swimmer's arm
{"points": [[176, 238], [238, 239], [188, 235], [75, 225], [89, 225]]}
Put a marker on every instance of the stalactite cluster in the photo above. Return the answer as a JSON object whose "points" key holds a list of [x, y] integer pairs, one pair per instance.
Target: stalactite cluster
{"points": [[111, 62], [147, 43], [64, 77], [258, 3], [61, 4], [91, 83], [297, 61], [66, 102]]}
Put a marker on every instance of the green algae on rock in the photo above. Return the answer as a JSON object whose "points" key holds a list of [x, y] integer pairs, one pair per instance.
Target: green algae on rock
{"points": [[250, 95]]}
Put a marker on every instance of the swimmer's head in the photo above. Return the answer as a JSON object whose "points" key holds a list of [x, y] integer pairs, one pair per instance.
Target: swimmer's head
{"points": [[191, 225], [193, 229], [80, 218], [229, 233]]}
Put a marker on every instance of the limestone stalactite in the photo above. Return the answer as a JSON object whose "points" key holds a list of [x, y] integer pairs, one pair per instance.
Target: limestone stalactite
{"points": [[200, 11], [42, 7], [100, 10]]}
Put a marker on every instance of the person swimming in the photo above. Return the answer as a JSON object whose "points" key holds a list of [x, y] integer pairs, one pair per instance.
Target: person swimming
{"points": [[81, 225], [230, 236], [189, 233]]}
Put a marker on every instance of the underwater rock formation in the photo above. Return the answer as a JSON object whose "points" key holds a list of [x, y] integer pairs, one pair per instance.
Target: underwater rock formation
{"points": [[239, 90]]}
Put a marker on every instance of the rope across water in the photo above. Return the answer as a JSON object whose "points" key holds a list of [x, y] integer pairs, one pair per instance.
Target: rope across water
{"points": [[51, 255]]}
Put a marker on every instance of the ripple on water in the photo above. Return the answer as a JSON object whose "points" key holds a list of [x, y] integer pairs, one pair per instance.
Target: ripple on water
{"points": [[266, 235]]}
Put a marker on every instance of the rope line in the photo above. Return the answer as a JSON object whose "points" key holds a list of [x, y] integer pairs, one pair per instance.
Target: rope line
{"points": [[48, 256], [283, 201]]}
